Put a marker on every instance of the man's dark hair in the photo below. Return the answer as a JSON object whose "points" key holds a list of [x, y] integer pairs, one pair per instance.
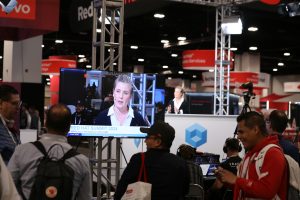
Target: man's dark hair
{"points": [[58, 119], [253, 119], [278, 121], [6, 91], [187, 152]]}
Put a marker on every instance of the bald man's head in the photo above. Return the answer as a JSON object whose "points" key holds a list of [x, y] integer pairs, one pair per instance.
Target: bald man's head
{"points": [[58, 119]]}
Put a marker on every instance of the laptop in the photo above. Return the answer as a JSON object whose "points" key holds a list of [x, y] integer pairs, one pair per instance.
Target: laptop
{"points": [[208, 163], [209, 169]]}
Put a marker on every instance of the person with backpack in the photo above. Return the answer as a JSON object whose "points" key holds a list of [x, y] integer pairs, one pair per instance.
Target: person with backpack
{"points": [[270, 180], [50, 168], [276, 125]]}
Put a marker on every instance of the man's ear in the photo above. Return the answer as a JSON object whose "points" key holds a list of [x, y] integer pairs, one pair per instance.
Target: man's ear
{"points": [[256, 130], [158, 142]]}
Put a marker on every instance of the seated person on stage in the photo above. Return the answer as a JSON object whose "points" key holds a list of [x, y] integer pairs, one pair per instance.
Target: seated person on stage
{"points": [[120, 114], [188, 153], [232, 148], [167, 173], [178, 105]]}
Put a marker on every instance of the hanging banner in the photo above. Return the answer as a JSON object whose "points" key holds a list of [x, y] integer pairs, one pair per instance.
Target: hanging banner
{"points": [[29, 18], [259, 80], [200, 59], [25, 9], [52, 66], [291, 87]]}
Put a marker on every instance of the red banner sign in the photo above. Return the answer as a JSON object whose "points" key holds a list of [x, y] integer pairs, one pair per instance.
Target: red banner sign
{"points": [[200, 59], [243, 77], [52, 66], [260, 80], [25, 9]]}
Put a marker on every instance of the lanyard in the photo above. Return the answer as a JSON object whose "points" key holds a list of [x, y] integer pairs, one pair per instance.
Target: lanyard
{"points": [[9, 132]]}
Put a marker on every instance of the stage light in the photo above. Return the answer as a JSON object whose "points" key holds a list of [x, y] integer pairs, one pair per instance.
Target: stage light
{"points": [[233, 49], [141, 60], [174, 55], [165, 67], [275, 69], [232, 25], [286, 54], [253, 48]]}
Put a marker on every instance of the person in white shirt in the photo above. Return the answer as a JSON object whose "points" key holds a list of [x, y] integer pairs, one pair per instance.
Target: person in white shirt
{"points": [[178, 105]]}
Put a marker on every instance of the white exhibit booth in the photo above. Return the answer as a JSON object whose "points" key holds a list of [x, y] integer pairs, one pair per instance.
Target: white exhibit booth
{"points": [[218, 128]]}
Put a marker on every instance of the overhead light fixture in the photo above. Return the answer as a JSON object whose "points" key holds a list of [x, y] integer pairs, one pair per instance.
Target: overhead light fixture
{"points": [[165, 67], [169, 78], [59, 41], [81, 56], [194, 76], [48, 83], [134, 47], [82, 60], [51, 76], [174, 55], [252, 29], [88, 66], [114, 63], [232, 25], [275, 69], [286, 54], [164, 41], [233, 49], [98, 30], [141, 60], [167, 72], [47, 79], [211, 70], [42, 46], [159, 15], [280, 64], [181, 38], [232, 59], [253, 48], [1, 57], [182, 42], [180, 72], [166, 45]]}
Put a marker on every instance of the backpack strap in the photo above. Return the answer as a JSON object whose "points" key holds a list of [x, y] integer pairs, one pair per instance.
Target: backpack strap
{"points": [[259, 160], [40, 147], [71, 153]]}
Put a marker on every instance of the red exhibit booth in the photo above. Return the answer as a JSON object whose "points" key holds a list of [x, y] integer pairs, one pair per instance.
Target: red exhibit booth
{"points": [[52, 67]]}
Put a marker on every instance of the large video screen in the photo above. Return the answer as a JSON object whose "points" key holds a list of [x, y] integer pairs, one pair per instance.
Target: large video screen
{"points": [[110, 104]]}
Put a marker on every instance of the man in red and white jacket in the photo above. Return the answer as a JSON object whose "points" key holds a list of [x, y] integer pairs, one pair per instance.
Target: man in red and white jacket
{"points": [[272, 180]]}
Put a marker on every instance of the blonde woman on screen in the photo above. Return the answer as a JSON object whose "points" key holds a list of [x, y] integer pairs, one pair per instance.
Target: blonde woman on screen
{"points": [[120, 113]]}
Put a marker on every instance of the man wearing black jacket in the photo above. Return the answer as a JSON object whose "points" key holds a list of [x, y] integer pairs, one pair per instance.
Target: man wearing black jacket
{"points": [[167, 172]]}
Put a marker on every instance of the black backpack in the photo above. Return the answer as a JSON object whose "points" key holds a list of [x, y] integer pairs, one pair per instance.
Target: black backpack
{"points": [[54, 179]]}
